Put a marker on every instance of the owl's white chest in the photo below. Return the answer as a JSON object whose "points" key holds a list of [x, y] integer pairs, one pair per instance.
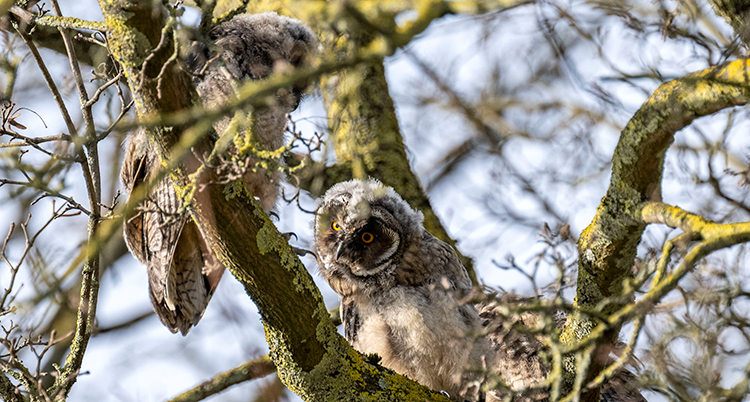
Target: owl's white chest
{"points": [[421, 335]]}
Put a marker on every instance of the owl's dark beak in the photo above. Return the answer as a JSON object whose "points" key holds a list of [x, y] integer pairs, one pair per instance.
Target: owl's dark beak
{"points": [[339, 250]]}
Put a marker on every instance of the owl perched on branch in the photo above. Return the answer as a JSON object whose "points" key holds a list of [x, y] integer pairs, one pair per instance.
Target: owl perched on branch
{"points": [[403, 296], [182, 269]]}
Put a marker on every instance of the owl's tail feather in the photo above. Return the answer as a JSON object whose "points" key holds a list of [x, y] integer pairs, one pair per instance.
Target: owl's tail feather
{"points": [[183, 272], [194, 274]]}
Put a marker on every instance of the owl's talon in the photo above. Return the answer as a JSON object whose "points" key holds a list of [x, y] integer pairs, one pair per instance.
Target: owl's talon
{"points": [[273, 215], [302, 252], [288, 236]]}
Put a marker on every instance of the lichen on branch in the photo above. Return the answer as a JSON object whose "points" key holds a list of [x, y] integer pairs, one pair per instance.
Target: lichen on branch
{"points": [[607, 247]]}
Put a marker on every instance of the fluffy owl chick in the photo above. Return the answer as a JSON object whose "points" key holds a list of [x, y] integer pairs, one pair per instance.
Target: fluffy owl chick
{"points": [[400, 291], [397, 283], [182, 269]]}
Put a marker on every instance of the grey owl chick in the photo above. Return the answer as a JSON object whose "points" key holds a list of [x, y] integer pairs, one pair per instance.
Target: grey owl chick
{"points": [[182, 269], [397, 284], [400, 291]]}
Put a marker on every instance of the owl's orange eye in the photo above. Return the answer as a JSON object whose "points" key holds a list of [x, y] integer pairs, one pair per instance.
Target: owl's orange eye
{"points": [[367, 237], [335, 226]]}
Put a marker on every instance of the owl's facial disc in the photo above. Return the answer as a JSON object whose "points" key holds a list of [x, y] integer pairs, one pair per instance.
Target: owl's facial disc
{"points": [[367, 249]]}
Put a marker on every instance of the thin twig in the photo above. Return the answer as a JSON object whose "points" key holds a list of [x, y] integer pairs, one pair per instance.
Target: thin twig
{"points": [[33, 140], [85, 323], [152, 54], [50, 192], [101, 90], [93, 178], [253, 369], [50, 81], [172, 58], [124, 325], [123, 112]]}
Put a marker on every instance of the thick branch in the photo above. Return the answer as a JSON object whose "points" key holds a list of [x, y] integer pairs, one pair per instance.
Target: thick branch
{"points": [[319, 13], [710, 234], [57, 21], [607, 248], [674, 217], [714, 237], [92, 54]]}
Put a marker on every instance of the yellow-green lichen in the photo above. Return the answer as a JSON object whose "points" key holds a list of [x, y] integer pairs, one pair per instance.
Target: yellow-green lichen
{"points": [[129, 46], [234, 189], [342, 373], [269, 240], [70, 22]]}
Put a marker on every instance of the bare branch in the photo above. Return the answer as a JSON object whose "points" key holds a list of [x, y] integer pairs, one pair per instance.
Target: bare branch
{"points": [[251, 370]]}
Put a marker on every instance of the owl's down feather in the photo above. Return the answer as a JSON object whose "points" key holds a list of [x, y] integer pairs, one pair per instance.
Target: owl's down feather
{"points": [[182, 269], [402, 292]]}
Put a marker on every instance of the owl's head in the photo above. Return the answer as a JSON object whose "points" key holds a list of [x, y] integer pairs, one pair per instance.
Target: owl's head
{"points": [[361, 231], [255, 45], [252, 47]]}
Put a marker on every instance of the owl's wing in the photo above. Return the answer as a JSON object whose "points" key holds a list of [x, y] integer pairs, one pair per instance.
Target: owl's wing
{"points": [[162, 227], [444, 262], [183, 271], [516, 357], [621, 388], [136, 167]]}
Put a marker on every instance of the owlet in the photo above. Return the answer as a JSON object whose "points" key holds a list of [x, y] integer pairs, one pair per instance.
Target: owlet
{"points": [[183, 271], [401, 294]]}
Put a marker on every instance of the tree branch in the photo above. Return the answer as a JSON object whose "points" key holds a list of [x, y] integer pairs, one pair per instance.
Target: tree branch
{"points": [[85, 321], [674, 217], [253, 369], [607, 247], [736, 13], [49, 37], [57, 21]]}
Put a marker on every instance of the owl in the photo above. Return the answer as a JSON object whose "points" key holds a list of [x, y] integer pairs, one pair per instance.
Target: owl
{"points": [[403, 296], [182, 269], [399, 285]]}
